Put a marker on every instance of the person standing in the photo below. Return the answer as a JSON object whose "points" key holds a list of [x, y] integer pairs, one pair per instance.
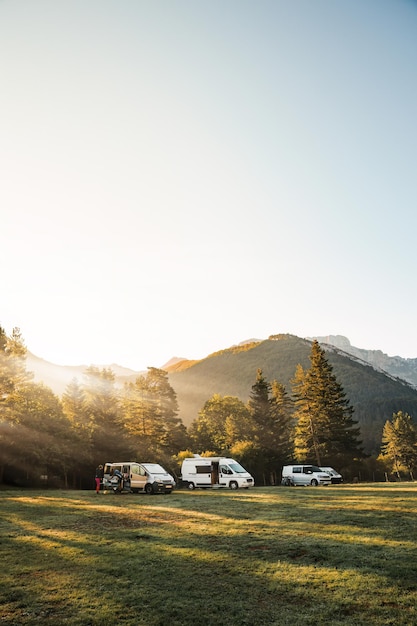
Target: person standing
{"points": [[99, 477]]}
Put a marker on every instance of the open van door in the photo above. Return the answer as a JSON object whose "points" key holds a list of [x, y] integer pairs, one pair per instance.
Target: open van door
{"points": [[214, 473]]}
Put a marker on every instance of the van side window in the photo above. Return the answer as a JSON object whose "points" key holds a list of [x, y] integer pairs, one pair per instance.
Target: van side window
{"points": [[141, 471], [225, 469], [296, 470], [203, 469]]}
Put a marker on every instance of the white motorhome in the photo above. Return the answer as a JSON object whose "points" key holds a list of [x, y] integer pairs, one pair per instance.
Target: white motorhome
{"points": [[304, 475], [214, 472], [146, 477]]}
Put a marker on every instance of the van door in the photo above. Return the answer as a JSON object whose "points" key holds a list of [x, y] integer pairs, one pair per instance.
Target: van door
{"points": [[215, 473], [225, 473], [138, 477]]}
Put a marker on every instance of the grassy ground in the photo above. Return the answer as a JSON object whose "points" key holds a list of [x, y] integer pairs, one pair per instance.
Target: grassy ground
{"points": [[267, 556]]}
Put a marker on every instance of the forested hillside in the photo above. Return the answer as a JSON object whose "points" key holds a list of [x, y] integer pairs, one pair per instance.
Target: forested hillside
{"points": [[373, 395]]}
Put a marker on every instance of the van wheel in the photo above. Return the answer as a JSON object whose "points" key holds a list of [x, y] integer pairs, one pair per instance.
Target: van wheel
{"points": [[314, 483], [191, 486], [233, 484], [149, 489]]}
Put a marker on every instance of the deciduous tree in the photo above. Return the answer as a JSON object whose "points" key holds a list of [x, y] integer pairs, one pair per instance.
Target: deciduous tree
{"points": [[221, 422]]}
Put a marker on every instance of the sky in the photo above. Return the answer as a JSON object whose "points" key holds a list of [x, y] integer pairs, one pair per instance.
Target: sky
{"points": [[179, 176]]}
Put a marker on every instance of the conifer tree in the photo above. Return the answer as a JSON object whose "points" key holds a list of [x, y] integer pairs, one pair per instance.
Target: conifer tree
{"points": [[14, 378], [271, 413], [79, 414], [325, 431], [399, 445], [282, 408], [150, 413], [260, 407], [102, 404]]}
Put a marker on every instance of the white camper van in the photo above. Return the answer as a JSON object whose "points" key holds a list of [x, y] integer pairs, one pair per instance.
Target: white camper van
{"points": [[147, 477], [216, 471]]}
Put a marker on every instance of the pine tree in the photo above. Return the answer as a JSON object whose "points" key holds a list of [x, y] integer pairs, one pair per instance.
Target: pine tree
{"points": [[78, 413], [282, 408], [14, 378], [325, 430], [271, 410], [260, 408], [102, 404], [150, 410], [399, 444]]}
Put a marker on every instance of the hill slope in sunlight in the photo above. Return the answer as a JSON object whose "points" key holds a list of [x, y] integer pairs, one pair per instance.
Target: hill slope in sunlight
{"points": [[374, 394]]}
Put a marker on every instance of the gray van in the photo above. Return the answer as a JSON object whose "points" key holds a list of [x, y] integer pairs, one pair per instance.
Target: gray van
{"points": [[294, 475]]}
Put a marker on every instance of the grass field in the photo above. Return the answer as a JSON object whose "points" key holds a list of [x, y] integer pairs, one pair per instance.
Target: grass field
{"points": [[267, 556]]}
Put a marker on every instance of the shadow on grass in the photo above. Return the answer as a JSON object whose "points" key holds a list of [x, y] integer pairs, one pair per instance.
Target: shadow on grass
{"points": [[257, 558]]}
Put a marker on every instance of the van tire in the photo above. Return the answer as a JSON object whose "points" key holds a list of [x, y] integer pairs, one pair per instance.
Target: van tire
{"points": [[191, 486], [149, 489], [314, 483], [233, 484]]}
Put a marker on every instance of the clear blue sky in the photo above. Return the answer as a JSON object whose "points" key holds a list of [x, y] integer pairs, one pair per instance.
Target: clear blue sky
{"points": [[178, 176]]}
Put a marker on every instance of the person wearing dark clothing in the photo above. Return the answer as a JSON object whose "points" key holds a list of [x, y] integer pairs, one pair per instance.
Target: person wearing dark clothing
{"points": [[99, 477]]}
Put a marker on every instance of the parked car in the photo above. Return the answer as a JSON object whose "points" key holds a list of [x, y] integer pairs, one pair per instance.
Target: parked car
{"points": [[336, 478], [294, 475]]}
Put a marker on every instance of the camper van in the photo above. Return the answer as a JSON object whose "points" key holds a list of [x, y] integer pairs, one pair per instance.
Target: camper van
{"points": [[136, 477], [218, 471], [293, 475]]}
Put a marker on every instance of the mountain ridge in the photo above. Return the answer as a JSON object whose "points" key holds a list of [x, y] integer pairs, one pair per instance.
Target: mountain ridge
{"points": [[374, 390], [396, 366], [374, 394], [57, 377]]}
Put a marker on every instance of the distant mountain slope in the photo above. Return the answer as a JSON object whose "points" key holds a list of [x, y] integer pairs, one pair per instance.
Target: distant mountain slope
{"points": [[57, 377], [396, 366], [375, 391], [374, 395]]}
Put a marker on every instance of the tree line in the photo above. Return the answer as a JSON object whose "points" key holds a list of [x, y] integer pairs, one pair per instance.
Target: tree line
{"points": [[57, 441]]}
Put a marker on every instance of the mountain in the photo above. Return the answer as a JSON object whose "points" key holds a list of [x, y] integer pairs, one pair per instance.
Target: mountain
{"points": [[57, 377], [396, 366], [374, 394], [375, 384]]}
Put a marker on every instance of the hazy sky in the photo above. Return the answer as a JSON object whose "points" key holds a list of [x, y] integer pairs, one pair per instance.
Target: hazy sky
{"points": [[178, 176]]}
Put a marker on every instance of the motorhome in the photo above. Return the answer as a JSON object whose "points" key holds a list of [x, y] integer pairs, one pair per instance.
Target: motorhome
{"points": [[294, 475], [214, 472], [136, 477]]}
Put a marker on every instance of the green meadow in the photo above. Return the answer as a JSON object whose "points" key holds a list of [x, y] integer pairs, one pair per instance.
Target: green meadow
{"points": [[344, 554]]}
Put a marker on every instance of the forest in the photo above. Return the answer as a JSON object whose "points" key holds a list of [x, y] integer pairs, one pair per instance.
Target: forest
{"points": [[53, 441]]}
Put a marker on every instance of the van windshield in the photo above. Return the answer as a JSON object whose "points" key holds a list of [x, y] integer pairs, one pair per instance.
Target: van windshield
{"points": [[154, 468], [236, 467]]}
